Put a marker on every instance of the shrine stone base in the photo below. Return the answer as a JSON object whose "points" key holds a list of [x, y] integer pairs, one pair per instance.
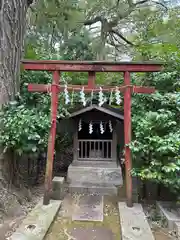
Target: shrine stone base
{"points": [[94, 177]]}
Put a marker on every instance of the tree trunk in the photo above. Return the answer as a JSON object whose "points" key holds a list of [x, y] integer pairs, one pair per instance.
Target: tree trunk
{"points": [[12, 30], [101, 55]]}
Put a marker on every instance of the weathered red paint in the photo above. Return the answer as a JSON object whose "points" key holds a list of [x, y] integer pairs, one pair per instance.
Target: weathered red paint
{"points": [[52, 137], [78, 66], [91, 80], [33, 87], [127, 138]]}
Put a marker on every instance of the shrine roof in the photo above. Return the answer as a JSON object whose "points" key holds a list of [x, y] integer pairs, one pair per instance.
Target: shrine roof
{"points": [[114, 112]]}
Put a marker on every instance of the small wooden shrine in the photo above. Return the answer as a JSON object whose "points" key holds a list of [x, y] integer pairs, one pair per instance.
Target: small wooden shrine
{"points": [[97, 133]]}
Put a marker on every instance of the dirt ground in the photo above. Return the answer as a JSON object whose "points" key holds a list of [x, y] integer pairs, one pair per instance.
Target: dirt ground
{"points": [[10, 221]]}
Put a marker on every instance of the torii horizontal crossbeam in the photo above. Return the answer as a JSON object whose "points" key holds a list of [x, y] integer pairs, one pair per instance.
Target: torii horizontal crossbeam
{"points": [[91, 66], [48, 87]]}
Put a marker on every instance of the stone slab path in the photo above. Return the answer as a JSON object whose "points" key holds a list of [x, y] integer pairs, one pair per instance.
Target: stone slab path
{"points": [[89, 208], [134, 225], [37, 223], [64, 228]]}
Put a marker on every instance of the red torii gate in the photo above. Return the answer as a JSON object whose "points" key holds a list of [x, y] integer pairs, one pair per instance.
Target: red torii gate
{"points": [[91, 67]]}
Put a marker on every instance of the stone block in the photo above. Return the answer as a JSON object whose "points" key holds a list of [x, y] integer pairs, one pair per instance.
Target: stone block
{"points": [[90, 208], [96, 173], [134, 224], [58, 188], [57, 183], [90, 188], [169, 211]]}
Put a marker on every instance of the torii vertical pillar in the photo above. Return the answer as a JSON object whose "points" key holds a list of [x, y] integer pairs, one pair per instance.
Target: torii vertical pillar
{"points": [[52, 138], [127, 138]]}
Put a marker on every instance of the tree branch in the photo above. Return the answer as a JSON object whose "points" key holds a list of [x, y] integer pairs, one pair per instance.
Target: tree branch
{"points": [[116, 46], [117, 3], [161, 4], [124, 14], [92, 21], [118, 40], [144, 1], [121, 16], [122, 37], [141, 2]]}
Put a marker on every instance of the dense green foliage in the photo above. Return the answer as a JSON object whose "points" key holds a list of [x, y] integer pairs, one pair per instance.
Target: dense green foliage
{"points": [[156, 128], [25, 121]]}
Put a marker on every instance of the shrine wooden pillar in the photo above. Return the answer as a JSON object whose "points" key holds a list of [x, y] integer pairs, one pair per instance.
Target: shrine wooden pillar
{"points": [[52, 137], [91, 79], [127, 138]]}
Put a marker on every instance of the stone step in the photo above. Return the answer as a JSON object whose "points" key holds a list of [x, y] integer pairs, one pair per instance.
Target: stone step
{"points": [[87, 163], [94, 173], [89, 188]]}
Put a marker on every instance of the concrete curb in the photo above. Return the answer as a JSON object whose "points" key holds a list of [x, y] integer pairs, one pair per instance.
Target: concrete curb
{"points": [[170, 216], [37, 223]]}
